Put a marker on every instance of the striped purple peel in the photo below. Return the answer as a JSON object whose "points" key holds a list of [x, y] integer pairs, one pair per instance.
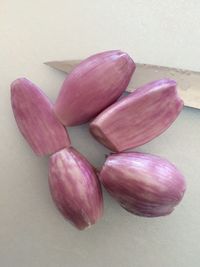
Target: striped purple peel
{"points": [[93, 85], [143, 184], [75, 188], [138, 118], [35, 118]]}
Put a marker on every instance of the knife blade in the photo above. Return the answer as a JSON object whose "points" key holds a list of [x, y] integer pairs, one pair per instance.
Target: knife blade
{"points": [[188, 81]]}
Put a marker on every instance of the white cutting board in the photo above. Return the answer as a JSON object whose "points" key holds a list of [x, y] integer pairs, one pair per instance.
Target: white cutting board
{"points": [[32, 232]]}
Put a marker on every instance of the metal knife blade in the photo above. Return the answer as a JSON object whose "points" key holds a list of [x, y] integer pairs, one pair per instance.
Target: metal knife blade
{"points": [[188, 81]]}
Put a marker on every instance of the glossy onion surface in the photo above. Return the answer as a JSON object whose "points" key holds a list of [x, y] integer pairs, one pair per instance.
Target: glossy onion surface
{"points": [[75, 188], [138, 118], [143, 184], [92, 86], [35, 118]]}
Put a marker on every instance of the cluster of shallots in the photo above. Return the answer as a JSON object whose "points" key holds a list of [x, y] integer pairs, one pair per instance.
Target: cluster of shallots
{"points": [[143, 184]]}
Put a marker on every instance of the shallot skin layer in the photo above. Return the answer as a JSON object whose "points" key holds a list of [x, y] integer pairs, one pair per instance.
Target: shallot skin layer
{"points": [[93, 85], [138, 118], [75, 188], [143, 184], [35, 118]]}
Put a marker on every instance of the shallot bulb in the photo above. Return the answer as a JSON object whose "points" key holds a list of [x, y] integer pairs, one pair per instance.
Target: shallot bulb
{"points": [[143, 184], [75, 188], [93, 85], [35, 118], [138, 118]]}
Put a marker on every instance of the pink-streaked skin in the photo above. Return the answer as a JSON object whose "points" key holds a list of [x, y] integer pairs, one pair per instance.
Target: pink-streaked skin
{"points": [[35, 118], [93, 85], [139, 117], [143, 184], [75, 188]]}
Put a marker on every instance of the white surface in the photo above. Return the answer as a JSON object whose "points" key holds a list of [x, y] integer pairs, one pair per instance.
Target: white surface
{"points": [[32, 232]]}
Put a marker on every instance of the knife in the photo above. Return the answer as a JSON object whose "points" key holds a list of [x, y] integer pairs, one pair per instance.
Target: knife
{"points": [[188, 81]]}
